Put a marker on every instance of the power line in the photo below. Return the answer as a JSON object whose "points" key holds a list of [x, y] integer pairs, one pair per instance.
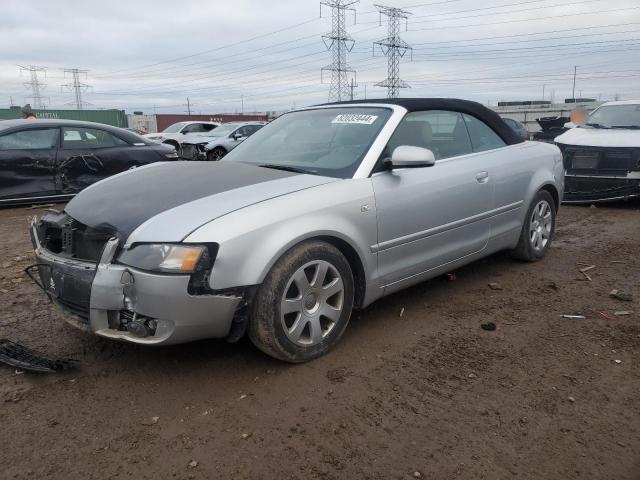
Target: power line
{"points": [[538, 48], [448, 27], [204, 52], [77, 86], [394, 48], [514, 35], [476, 15], [194, 80], [338, 42]]}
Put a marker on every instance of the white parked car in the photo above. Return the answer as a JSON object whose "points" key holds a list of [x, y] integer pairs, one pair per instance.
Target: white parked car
{"points": [[602, 156], [176, 133], [217, 143]]}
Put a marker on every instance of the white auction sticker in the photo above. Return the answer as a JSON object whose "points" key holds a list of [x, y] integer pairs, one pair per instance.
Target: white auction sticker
{"points": [[355, 118]]}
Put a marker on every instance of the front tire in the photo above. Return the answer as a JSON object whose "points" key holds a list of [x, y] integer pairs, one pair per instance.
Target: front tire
{"points": [[538, 229], [216, 154], [304, 304]]}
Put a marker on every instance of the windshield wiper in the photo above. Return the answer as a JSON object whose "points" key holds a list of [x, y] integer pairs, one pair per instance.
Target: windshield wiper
{"points": [[630, 127], [286, 168], [596, 125]]}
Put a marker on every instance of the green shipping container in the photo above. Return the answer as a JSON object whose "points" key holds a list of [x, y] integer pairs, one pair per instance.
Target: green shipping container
{"points": [[117, 118]]}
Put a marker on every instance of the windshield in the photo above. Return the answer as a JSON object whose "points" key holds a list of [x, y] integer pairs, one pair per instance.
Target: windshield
{"points": [[616, 116], [222, 130], [326, 141], [175, 128]]}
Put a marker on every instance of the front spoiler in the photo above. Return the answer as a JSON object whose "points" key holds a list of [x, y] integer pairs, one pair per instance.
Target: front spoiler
{"points": [[93, 297], [598, 188]]}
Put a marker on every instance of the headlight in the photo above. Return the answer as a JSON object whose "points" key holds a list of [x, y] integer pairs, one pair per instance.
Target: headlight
{"points": [[169, 258], [585, 160]]}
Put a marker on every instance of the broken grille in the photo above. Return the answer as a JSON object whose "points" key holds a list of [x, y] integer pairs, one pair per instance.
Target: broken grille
{"points": [[603, 160], [62, 235]]}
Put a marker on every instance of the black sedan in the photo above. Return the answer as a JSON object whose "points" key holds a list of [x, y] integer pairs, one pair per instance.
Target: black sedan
{"points": [[52, 160]]}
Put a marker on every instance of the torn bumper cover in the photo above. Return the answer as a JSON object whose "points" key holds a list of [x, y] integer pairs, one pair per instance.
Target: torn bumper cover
{"points": [[598, 174], [123, 303]]}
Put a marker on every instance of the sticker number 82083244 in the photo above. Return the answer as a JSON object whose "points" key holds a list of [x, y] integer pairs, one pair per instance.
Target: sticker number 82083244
{"points": [[355, 118]]}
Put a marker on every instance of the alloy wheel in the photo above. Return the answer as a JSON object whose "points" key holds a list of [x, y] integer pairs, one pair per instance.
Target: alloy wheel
{"points": [[312, 303], [540, 225]]}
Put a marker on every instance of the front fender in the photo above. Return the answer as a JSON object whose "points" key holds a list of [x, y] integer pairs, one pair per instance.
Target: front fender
{"points": [[251, 240]]}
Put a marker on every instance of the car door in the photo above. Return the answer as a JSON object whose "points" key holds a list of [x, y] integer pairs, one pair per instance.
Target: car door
{"points": [[510, 177], [27, 163], [239, 136], [429, 217], [89, 155]]}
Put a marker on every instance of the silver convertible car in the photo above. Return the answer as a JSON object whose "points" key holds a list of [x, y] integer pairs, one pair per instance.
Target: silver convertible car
{"points": [[324, 210]]}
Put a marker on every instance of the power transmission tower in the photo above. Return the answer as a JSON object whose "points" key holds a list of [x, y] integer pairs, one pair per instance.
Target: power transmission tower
{"points": [[338, 42], [394, 48], [188, 105], [76, 86], [35, 84]]}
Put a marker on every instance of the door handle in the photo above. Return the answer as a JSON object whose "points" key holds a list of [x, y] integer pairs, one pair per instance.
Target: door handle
{"points": [[482, 177]]}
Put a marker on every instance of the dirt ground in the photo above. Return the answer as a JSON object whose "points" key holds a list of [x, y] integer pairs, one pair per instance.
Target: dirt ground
{"points": [[416, 389]]}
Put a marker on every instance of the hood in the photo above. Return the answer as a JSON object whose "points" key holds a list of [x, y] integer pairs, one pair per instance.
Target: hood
{"points": [[166, 201], [600, 137], [201, 139]]}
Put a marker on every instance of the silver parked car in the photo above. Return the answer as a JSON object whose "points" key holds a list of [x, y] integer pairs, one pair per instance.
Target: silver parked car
{"points": [[324, 210], [217, 143]]}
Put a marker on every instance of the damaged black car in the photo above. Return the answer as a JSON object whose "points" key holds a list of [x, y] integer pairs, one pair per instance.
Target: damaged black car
{"points": [[52, 160]]}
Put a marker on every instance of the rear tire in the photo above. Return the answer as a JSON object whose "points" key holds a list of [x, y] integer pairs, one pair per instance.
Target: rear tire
{"points": [[304, 304], [538, 229]]}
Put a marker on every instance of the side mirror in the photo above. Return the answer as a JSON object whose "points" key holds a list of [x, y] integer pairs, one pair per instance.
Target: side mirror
{"points": [[406, 156], [236, 136]]}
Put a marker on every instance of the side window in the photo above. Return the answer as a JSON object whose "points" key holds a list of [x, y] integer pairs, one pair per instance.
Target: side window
{"points": [[89, 138], [44, 139], [206, 127], [251, 129], [442, 132], [246, 130], [482, 136], [194, 128]]}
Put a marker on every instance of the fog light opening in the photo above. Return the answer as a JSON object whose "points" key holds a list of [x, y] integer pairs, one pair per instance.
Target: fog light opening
{"points": [[137, 325]]}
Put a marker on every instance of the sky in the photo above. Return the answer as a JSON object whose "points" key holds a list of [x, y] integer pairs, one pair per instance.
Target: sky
{"points": [[256, 55]]}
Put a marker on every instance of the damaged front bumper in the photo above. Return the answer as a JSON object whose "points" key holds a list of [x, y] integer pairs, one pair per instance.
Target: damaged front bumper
{"points": [[193, 151], [123, 303], [600, 174], [581, 188]]}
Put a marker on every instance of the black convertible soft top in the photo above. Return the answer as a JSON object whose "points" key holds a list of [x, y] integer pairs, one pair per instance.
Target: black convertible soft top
{"points": [[475, 109]]}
